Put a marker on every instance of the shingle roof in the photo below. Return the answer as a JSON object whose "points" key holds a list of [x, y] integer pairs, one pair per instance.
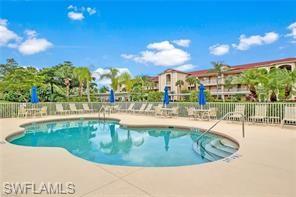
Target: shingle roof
{"points": [[236, 68]]}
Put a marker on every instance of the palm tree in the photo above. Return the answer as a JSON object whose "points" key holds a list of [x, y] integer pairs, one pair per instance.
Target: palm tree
{"points": [[113, 76], [218, 68], [126, 80], [192, 81], [180, 83], [84, 76], [64, 71]]}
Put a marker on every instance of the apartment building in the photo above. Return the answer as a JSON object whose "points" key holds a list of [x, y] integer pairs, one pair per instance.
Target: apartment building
{"points": [[209, 78]]}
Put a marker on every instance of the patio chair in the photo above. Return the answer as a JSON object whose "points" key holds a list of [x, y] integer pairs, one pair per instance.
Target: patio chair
{"points": [[142, 108], [289, 115], [43, 111], [86, 108], [260, 113], [22, 112], [239, 110], [213, 113], [174, 112], [60, 109], [130, 107], [74, 109], [191, 113], [158, 111]]}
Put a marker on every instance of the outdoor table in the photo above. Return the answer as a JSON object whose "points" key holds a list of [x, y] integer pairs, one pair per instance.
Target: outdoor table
{"points": [[201, 113], [166, 111]]}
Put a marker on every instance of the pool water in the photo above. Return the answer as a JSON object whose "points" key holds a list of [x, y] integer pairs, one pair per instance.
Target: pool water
{"points": [[108, 143]]}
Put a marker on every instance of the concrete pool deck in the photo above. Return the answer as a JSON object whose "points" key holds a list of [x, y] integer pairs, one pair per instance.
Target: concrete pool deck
{"points": [[265, 165]]}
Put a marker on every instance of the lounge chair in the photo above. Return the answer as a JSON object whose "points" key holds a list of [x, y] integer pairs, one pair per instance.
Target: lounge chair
{"points": [[260, 113], [130, 107], [22, 112], [74, 109], [86, 108], [289, 115], [60, 109], [174, 112], [149, 109], [142, 108], [239, 110]]}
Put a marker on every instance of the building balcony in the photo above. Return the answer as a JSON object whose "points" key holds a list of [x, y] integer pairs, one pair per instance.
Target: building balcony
{"points": [[230, 92]]}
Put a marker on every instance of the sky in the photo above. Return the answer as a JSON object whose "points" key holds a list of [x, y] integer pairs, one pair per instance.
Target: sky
{"points": [[146, 37]]}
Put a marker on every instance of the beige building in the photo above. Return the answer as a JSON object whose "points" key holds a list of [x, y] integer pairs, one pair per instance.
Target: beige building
{"points": [[209, 78]]}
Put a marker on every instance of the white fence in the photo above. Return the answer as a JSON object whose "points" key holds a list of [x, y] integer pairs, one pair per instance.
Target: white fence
{"points": [[273, 113]]}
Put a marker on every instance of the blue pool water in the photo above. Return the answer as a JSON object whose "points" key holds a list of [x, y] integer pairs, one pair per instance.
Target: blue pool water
{"points": [[108, 143]]}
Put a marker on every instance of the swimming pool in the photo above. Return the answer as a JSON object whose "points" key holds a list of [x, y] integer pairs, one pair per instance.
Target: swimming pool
{"points": [[107, 142]]}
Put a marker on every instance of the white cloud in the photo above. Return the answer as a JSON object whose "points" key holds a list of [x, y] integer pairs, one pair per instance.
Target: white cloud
{"points": [[182, 42], [79, 13], [185, 67], [219, 49], [246, 42], [91, 11], [107, 82], [160, 54], [164, 45], [28, 46], [34, 45], [31, 33], [127, 56], [292, 28], [6, 35], [3, 22], [76, 16]]}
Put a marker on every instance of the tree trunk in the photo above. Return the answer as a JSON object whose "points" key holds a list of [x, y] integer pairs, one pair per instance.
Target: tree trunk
{"points": [[88, 92], [80, 90], [67, 83]]}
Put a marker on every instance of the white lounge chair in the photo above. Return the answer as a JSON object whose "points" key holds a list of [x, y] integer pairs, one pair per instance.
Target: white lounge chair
{"points": [[289, 114], [142, 108], [260, 113], [74, 109], [86, 108], [60, 109], [239, 110], [174, 112], [149, 109], [130, 107]]}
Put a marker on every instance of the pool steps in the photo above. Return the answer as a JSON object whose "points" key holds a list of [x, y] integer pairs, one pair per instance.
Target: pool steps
{"points": [[214, 149]]}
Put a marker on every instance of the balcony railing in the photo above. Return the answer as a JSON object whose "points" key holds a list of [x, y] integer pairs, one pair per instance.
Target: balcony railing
{"points": [[274, 114]]}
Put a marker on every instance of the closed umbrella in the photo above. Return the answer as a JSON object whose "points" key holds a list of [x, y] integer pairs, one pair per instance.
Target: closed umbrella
{"points": [[201, 96], [112, 97], [166, 98], [34, 96]]}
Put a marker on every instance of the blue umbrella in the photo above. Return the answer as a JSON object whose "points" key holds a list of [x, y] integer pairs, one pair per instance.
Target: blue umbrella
{"points": [[34, 96], [201, 95], [166, 98], [112, 97]]}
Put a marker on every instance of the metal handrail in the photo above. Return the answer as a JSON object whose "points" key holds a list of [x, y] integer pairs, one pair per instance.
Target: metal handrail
{"points": [[229, 113], [104, 111]]}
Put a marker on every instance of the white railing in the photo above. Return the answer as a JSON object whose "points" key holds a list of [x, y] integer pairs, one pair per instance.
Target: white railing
{"points": [[273, 113]]}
